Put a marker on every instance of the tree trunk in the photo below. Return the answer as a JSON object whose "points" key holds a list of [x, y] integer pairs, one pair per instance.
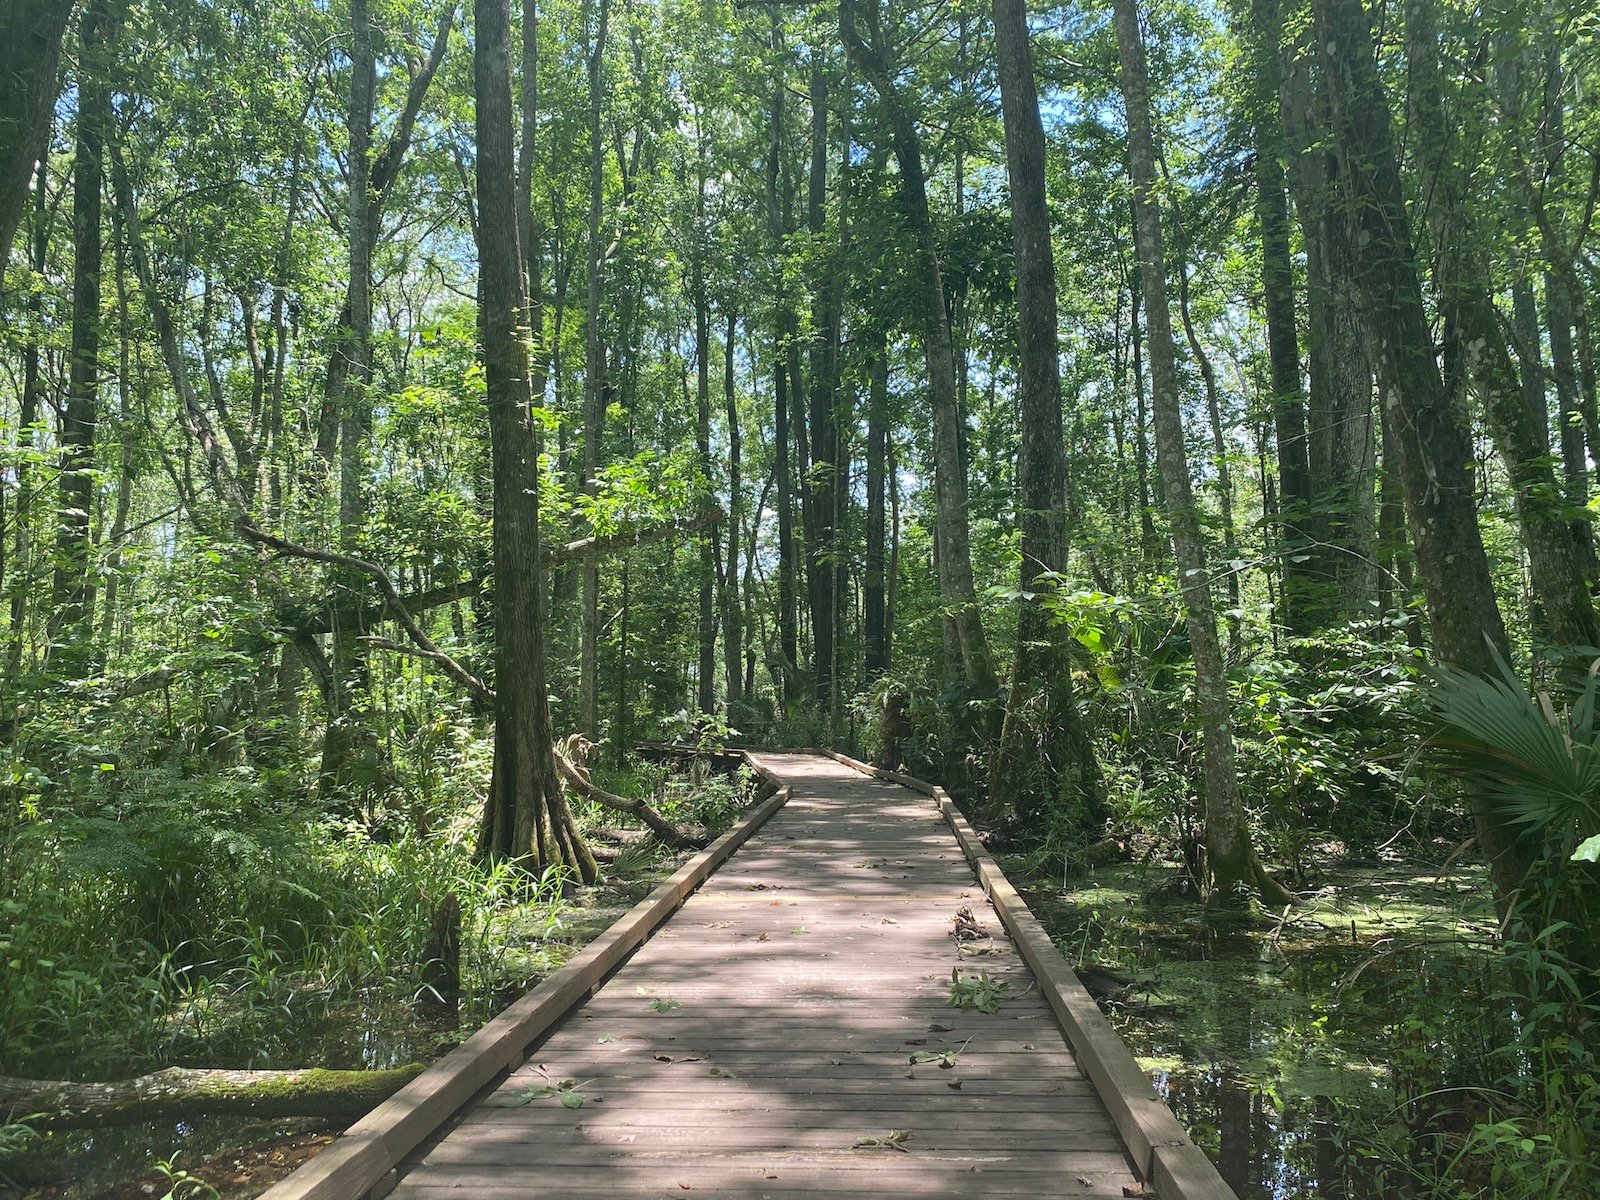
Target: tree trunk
{"points": [[1231, 862], [874, 601], [526, 818], [33, 385], [732, 602], [1433, 449], [1219, 443], [1045, 771], [821, 480], [956, 585], [1475, 353], [351, 758], [72, 599], [706, 680], [596, 18], [29, 53], [1342, 444], [788, 617], [1299, 593]]}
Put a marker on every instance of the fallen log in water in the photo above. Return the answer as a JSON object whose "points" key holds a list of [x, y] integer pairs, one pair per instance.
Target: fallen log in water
{"points": [[179, 1092]]}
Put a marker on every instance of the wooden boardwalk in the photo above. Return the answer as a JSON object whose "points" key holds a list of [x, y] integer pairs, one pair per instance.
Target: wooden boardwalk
{"points": [[761, 1043], [788, 1032]]}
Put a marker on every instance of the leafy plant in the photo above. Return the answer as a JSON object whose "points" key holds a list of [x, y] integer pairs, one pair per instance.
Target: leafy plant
{"points": [[981, 991], [568, 1091]]}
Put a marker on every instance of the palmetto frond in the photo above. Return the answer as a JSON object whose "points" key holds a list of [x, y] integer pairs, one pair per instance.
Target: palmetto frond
{"points": [[1540, 766]]}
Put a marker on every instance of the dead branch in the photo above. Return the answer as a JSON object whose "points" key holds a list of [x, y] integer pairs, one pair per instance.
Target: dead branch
{"points": [[577, 778]]}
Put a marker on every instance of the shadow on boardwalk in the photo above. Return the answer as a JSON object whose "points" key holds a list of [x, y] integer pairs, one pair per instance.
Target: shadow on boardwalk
{"points": [[762, 1042]]}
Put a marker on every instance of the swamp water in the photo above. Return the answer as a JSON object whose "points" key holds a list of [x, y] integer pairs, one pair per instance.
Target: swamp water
{"points": [[1308, 1056], [372, 1030]]}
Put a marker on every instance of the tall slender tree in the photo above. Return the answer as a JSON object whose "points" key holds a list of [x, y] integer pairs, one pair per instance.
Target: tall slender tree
{"points": [[1432, 443], [1231, 862], [1046, 767], [862, 30]]}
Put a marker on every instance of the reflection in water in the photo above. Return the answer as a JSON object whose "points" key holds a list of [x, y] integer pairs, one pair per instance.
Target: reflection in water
{"points": [[1314, 1061]]}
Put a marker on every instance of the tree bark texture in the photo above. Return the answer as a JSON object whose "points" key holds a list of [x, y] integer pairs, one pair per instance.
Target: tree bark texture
{"points": [[594, 364], [1476, 354], [1433, 450], [1046, 770], [29, 54], [862, 35], [1231, 861], [526, 818], [1296, 521], [72, 600]]}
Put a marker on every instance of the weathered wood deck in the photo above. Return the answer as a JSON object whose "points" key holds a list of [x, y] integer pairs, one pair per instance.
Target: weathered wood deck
{"points": [[761, 1044]]}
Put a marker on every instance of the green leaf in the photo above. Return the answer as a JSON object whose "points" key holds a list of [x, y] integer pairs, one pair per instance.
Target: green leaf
{"points": [[1588, 851]]}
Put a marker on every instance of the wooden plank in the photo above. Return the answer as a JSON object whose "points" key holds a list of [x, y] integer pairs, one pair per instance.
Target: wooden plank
{"points": [[1159, 1144], [380, 1140], [811, 1035]]}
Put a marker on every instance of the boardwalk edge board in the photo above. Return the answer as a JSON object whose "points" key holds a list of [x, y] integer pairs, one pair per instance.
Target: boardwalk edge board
{"points": [[1162, 1151], [366, 1159]]}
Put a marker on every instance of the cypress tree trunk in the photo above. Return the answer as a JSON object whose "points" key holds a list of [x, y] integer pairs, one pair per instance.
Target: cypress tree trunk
{"points": [[788, 617], [820, 501], [1475, 353], [72, 599], [27, 418], [1431, 444], [706, 680], [1045, 770], [732, 602], [350, 753], [1341, 443], [29, 53], [1231, 862], [875, 598], [1301, 603], [1559, 317], [526, 818], [594, 368], [950, 481]]}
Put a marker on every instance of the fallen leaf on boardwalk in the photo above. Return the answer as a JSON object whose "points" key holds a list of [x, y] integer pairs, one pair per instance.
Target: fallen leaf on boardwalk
{"points": [[938, 1028], [1137, 1190], [771, 1174], [719, 1073], [1084, 1179], [888, 921], [662, 1006], [953, 1083], [798, 929], [667, 1058], [763, 938], [603, 1039], [567, 1089], [628, 1137]]}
